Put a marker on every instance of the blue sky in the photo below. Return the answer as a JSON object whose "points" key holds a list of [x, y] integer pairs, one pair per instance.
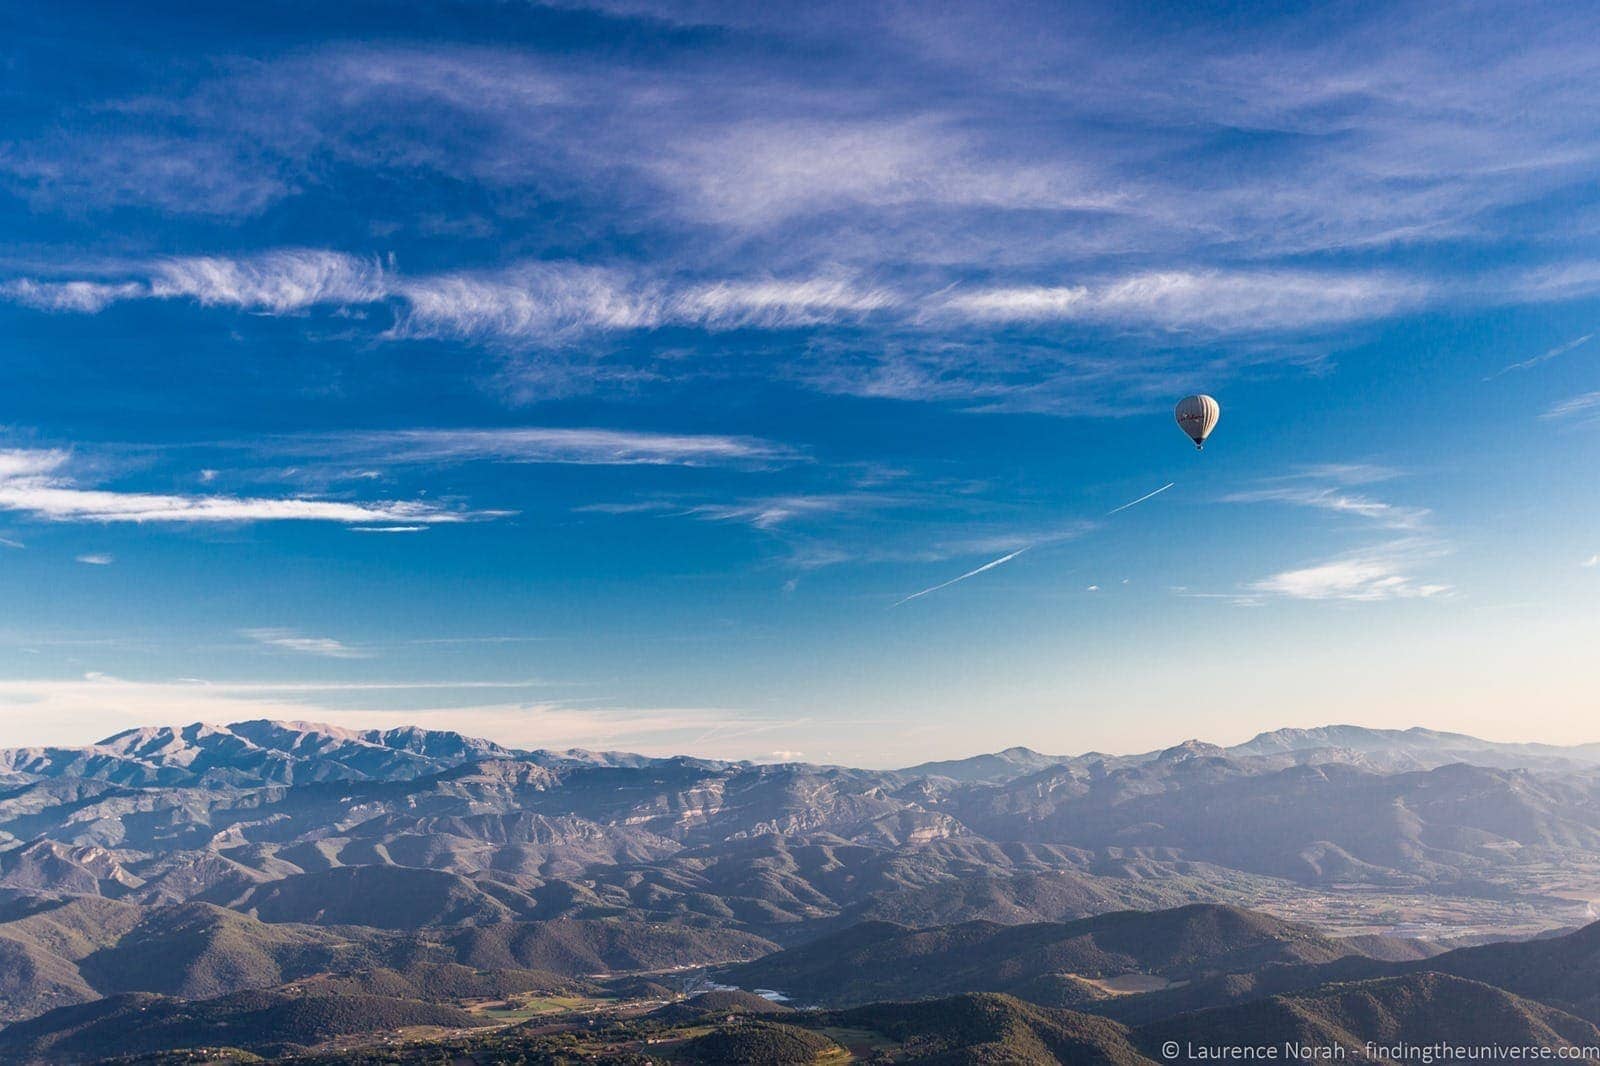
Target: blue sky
{"points": [[610, 374]]}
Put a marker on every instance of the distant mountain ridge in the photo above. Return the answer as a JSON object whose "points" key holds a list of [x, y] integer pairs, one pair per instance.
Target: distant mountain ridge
{"points": [[156, 815], [1383, 750], [266, 752]]}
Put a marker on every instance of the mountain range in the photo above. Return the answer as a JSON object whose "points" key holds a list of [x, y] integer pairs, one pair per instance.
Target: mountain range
{"points": [[284, 859]]}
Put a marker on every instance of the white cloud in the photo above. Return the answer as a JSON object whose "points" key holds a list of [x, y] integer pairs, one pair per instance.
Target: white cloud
{"points": [[83, 297], [541, 444], [34, 482], [1345, 473], [762, 171], [289, 640], [1544, 357], [559, 302], [770, 513], [553, 301], [177, 172], [279, 282], [1377, 573], [1584, 404], [1591, 562], [96, 559], [1292, 134], [1214, 300], [777, 304], [637, 507], [1363, 577], [1391, 516], [542, 301]]}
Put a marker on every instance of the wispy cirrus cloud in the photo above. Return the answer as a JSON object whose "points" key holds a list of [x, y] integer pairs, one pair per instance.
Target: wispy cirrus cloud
{"points": [[1281, 137], [280, 282], [1544, 357], [565, 300], [1212, 300], [1327, 487], [277, 282], [1581, 406], [535, 302], [168, 170], [36, 482], [83, 297], [1368, 576], [290, 640], [548, 301], [1389, 515], [534, 444], [1383, 571], [1344, 473], [772, 512], [521, 302], [760, 171]]}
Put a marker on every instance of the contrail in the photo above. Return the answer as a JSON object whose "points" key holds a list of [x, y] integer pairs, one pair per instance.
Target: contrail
{"points": [[1141, 499], [1007, 558], [970, 573]]}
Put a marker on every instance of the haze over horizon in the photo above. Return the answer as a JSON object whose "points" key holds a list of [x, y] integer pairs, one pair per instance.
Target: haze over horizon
{"points": [[366, 731], [764, 384]]}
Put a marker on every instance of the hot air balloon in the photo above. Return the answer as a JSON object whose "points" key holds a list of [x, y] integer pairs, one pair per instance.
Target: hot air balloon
{"points": [[1197, 416]]}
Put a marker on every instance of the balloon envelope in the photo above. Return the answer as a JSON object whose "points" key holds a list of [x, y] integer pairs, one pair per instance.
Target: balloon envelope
{"points": [[1197, 416]]}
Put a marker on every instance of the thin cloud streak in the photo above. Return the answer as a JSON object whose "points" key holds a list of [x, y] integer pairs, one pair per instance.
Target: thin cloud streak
{"points": [[289, 640], [534, 444], [970, 573], [1382, 572], [1586, 403], [1387, 514], [555, 301], [34, 482], [1216, 300], [1554, 353]]}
